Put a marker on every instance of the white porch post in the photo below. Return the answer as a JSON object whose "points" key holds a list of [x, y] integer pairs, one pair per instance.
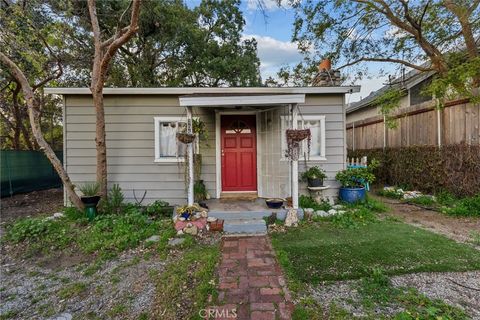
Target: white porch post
{"points": [[190, 151], [294, 163]]}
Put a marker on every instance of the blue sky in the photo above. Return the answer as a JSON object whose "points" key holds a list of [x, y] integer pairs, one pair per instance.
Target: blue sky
{"points": [[273, 33]]}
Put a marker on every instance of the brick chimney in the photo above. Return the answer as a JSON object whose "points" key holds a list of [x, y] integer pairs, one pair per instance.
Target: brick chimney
{"points": [[327, 76]]}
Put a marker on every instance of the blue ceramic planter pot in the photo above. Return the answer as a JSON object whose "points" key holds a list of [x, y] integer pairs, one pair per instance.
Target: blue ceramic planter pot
{"points": [[352, 195]]}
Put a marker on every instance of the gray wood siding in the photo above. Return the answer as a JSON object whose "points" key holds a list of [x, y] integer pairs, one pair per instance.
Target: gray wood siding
{"points": [[130, 146], [275, 173]]}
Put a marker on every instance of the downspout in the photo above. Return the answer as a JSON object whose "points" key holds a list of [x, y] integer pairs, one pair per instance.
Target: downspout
{"points": [[190, 158]]}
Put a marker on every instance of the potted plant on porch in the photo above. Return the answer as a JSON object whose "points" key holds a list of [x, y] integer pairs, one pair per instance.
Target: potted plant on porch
{"points": [[353, 181], [314, 176]]}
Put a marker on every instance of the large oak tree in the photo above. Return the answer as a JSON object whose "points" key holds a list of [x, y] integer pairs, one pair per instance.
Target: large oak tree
{"points": [[427, 35]]}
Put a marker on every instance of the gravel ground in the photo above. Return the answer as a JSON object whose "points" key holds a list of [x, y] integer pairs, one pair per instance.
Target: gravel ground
{"points": [[460, 289], [122, 288]]}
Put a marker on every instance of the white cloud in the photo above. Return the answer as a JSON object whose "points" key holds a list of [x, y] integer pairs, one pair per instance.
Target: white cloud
{"points": [[267, 5], [274, 54]]}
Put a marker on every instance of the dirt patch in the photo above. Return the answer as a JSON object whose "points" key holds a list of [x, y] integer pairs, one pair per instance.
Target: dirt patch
{"points": [[456, 228], [31, 204], [459, 289]]}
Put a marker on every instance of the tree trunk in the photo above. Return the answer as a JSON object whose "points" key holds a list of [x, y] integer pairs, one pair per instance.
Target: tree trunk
{"points": [[100, 140], [33, 113]]}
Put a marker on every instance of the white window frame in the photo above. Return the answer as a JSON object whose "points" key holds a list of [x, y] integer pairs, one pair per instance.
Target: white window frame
{"points": [[283, 138], [157, 121]]}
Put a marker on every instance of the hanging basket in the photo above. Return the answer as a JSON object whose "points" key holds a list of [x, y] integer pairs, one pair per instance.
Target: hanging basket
{"points": [[185, 138], [297, 135], [294, 137]]}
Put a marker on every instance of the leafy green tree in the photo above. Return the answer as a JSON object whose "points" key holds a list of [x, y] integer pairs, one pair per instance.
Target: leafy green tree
{"points": [[180, 46], [426, 35]]}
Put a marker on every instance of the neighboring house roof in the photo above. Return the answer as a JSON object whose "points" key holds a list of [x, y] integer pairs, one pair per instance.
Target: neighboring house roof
{"points": [[410, 79], [216, 90]]}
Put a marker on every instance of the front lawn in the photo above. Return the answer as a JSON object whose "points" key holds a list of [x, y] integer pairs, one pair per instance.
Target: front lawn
{"points": [[324, 251]]}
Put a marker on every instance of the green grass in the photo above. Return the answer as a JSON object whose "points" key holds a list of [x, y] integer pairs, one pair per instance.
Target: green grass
{"points": [[188, 281], [72, 290], [322, 251], [422, 201]]}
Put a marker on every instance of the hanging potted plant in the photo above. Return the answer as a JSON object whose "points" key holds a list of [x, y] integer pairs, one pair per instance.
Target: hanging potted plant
{"points": [[185, 137], [314, 176], [294, 137], [353, 181]]}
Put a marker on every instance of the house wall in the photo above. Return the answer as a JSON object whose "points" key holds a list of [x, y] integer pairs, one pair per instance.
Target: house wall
{"points": [[130, 146], [274, 177]]}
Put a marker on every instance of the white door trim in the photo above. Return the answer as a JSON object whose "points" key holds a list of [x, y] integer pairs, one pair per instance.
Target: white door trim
{"points": [[218, 157]]}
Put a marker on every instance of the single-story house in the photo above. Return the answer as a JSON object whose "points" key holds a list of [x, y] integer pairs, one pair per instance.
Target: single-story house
{"points": [[245, 147]]}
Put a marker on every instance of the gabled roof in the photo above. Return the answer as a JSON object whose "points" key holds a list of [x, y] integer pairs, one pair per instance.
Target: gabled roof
{"points": [[410, 79]]}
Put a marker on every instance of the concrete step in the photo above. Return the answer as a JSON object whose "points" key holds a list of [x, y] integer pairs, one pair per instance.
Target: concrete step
{"points": [[235, 215], [250, 226]]}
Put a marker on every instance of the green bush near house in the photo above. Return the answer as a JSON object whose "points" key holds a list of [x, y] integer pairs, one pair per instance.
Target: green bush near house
{"points": [[309, 202]]}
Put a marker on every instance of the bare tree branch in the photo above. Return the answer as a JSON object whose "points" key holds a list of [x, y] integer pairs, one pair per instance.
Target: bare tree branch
{"points": [[406, 63]]}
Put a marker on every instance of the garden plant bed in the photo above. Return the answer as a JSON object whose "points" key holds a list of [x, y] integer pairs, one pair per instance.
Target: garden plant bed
{"points": [[461, 229]]}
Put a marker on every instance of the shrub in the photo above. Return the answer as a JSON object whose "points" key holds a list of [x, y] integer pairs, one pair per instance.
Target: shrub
{"points": [[314, 172], [465, 207], [354, 218], [115, 201], [452, 168], [309, 202], [159, 208], [40, 231]]}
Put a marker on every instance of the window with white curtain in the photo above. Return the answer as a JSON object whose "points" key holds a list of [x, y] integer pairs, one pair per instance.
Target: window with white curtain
{"points": [[316, 124], [167, 148]]}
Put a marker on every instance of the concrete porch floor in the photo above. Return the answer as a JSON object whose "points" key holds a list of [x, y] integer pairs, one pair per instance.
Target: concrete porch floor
{"points": [[237, 205]]}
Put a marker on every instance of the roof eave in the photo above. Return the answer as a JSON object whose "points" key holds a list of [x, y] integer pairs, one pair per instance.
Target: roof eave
{"points": [[217, 90]]}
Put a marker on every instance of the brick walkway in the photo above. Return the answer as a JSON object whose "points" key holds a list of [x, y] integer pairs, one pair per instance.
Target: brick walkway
{"points": [[251, 281]]}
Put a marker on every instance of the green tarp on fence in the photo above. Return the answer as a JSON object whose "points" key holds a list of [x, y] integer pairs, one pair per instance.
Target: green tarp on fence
{"points": [[25, 171]]}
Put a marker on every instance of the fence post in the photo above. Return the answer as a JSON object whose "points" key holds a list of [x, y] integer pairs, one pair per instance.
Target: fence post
{"points": [[384, 133], [439, 123], [353, 135]]}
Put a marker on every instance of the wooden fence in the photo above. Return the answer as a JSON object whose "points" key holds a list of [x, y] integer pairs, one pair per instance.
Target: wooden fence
{"points": [[422, 124]]}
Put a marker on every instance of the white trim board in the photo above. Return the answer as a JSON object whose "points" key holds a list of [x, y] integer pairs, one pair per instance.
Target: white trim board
{"points": [[204, 90], [218, 157], [215, 101]]}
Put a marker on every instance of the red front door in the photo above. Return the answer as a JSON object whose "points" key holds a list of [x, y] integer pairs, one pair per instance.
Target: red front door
{"points": [[239, 153]]}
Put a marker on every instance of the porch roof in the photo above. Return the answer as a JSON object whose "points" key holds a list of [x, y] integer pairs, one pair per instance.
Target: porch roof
{"points": [[228, 100]]}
